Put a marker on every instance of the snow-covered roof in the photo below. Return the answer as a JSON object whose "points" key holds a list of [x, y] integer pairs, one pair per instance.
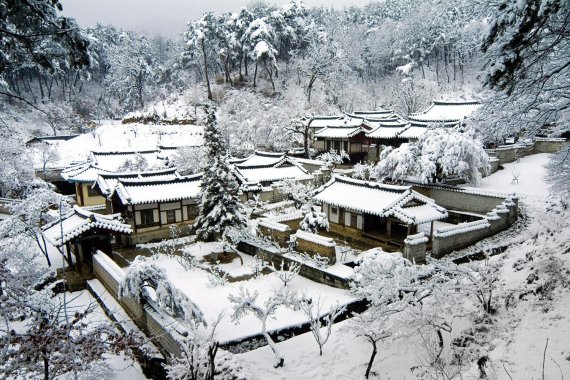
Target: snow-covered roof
{"points": [[113, 160], [371, 115], [400, 202], [445, 111], [108, 181], [284, 169], [338, 132], [387, 129], [260, 158], [137, 191], [413, 132], [84, 172], [79, 221], [417, 129], [335, 121]]}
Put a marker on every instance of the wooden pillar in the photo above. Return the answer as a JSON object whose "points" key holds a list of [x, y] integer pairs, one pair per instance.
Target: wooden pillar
{"points": [[431, 230], [78, 252], [409, 229], [68, 251], [79, 193], [389, 228]]}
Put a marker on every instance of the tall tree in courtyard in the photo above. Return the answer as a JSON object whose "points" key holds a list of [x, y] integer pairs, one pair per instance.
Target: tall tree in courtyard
{"points": [[219, 207]]}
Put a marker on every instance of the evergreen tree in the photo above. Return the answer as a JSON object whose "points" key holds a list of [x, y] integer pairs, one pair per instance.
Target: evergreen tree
{"points": [[219, 207]]}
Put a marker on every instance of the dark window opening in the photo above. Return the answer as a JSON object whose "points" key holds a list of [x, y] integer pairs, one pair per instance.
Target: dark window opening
{"points": [[147, 217], [170, 216]]}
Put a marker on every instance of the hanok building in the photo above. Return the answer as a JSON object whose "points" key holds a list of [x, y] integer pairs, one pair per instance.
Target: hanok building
{"points": [[352, 141], [349, 133], [152, 205], [85, 175], [380, 212], [386, 132], [80, 233], [259, 174], [447, 114]]}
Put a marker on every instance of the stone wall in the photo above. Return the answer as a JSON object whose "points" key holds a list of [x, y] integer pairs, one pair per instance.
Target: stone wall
{"points": [[278, 232], [307, 271], [462, 200], [313, 245], [155, 235], [145, 317], [510, 153], [448, 239], [549, 145]]}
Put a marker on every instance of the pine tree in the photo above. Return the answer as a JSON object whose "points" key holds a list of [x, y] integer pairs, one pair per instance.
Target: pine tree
{"points": [[219, 207]]}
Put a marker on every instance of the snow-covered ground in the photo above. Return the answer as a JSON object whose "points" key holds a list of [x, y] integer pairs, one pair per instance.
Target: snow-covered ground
{"points": [[119, 366], [531, 187], [213, 300]]}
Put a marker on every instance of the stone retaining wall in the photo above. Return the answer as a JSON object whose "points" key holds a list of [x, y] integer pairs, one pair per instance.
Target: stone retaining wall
{"points": [[145, 317], [510, 153], [447, 240], [278, 232], [275, 258], [313, 245]]}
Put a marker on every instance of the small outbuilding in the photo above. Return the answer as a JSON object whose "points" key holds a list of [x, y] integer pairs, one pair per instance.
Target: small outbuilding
{"points": [[377, 211], [80, 233]]}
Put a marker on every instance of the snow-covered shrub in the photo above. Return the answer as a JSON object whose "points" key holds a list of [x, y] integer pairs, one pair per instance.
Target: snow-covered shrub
{"points": [[313, 311], [332, 157], [187, 260], [144, 280], [301, 194], [315, 221], [316, 259], [364, 171], [217, 276], [257, 266], [438, 153], [137, 164], [286, 273]]}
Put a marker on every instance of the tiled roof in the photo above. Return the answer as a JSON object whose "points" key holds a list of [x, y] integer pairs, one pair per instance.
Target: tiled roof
{"points": [[84, 172], [79, 221], [380, 199], [338, 133], [441, 111], [108, 181], [137, 191]]}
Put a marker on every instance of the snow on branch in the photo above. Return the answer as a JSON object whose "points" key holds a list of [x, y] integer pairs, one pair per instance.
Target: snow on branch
{"points": [[144, 280]]}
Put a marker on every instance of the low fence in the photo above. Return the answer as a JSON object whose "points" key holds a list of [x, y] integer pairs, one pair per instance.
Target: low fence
{"points": [[307, 271], [448, 239]]}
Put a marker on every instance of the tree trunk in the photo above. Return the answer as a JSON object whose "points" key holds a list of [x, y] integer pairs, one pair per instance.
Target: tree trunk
{"points": [[46, 364], [255, 75], [372, 357], [270, 73], [210, 97]]}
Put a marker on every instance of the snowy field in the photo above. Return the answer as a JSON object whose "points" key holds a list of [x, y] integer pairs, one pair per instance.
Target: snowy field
{"points": [[531, 187]]}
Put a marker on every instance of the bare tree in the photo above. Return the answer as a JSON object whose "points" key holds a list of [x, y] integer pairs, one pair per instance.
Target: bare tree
{"points": [[245, 303], [317, 321]]}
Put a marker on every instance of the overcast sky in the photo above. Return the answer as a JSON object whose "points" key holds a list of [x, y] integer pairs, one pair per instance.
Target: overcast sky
{"points": [[168, 17]]}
